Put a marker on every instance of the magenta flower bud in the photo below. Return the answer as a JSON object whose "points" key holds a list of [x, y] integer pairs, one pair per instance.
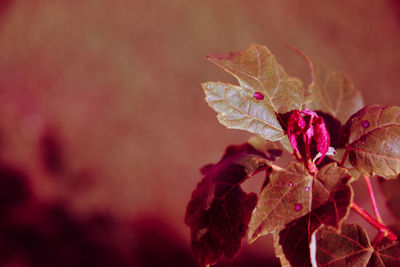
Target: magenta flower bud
{"points": [[295, 127], [315, 130], [321, 137]]}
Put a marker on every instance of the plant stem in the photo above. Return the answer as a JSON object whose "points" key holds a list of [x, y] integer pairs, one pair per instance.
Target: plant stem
{"points": [[310, 165], [372, 197], [346, 153], [379, 226], [378, 239]]}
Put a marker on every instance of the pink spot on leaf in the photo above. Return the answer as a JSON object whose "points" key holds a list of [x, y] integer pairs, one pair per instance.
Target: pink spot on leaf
{"points": [[365, 124], [298, 207], [258, 96]]}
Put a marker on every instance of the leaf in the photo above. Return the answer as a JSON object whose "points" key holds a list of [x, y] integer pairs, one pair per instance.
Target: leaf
{"points": [[331, 199], [292, 243], [333, 92], [264, 90], [239, 111], [219, 210], [287, 189], [386, 254], [271, 149], [279, 250], [349, 247], [338, 158], [373, 138], [391, 189], [286, 144]]}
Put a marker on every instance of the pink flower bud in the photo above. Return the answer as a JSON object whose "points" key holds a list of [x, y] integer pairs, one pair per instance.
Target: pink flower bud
{"points": [[321, 137], [295, 127], [315, 130]]}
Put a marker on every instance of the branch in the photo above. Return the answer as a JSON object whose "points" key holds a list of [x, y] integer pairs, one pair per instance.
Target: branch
{"points": [[379, 226], [372, 197], [346, 153]]}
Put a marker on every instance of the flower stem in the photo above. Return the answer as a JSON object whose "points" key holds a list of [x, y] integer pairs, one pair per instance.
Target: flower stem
{"points": [[309, 164], [379, 226], [372, 197], [346, 153]]}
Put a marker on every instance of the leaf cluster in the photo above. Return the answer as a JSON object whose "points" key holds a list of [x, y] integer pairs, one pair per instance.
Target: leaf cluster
{"points": [[305, 204]]}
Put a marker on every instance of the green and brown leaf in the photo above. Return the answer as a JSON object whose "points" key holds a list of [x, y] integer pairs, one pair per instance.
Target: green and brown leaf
{"points": [[256, 70], [373, 138], [333, 92], [331, 199], [286, 197], [349, 247], [387, 254]]}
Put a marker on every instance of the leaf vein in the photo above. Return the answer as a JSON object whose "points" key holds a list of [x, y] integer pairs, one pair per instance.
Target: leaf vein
{"points": [[373, 154], [224, 100], [377, 128]]}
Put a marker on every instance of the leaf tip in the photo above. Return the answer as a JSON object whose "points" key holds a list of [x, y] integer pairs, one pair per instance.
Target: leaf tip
{"points": [[215, 57]]}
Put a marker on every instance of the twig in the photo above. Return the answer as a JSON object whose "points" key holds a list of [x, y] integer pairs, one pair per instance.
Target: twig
{"points": [[346, 153], [381, 227], [372, 197]]}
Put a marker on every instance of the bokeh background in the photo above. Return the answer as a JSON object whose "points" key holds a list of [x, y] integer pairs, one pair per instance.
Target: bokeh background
{"points": [[103, 123]]}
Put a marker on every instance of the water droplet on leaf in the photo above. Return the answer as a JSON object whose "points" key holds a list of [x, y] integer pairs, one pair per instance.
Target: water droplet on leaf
{"points": [[298, 207], [362, 139], [258, 96], [365, 124]]}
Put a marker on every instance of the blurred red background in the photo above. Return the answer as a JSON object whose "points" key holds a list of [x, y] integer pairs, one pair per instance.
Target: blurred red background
{"points": [[103, 123]]}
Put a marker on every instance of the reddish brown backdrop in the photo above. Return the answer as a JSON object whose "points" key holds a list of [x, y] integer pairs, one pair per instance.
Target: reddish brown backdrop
{"points": [[101, 104]]}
